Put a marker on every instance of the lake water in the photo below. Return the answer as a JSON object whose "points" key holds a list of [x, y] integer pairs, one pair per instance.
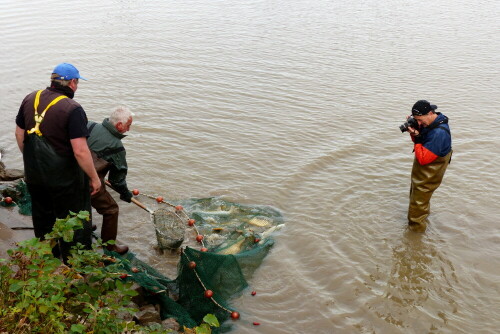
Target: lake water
{"points": [[296, 104]]}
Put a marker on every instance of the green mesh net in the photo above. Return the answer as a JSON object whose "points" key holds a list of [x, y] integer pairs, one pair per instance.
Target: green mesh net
{"points": [[18, 192], [236, 240], [24, 201]]}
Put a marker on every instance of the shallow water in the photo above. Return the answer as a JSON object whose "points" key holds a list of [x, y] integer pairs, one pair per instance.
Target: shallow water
{"points": [[297, 105]]}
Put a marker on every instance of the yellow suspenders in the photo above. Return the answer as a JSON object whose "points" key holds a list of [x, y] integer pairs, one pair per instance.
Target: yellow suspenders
{"points": [[39, 118]]}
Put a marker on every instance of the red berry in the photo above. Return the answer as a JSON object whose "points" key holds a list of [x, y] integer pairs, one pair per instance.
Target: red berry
{"points": [[191, 222], [256, 323], [135, 192], [192, 265], [235, 315], [8, 200], [256, 240], [199, 238], [179, 208], [209, 293], [204, 249], [254, 293], [122, 276], [159, 199]]}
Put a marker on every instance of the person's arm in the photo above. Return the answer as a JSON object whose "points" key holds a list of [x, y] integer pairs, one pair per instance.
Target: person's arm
{"points": [[118, 175], [424, 155], [84, 158], [20, 138]]}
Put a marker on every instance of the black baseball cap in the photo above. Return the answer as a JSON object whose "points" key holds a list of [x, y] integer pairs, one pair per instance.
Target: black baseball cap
{"points": [[422, 107]]}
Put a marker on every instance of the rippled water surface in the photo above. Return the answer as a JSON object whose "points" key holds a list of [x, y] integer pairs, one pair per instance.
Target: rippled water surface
{"points": [[296, 104]]}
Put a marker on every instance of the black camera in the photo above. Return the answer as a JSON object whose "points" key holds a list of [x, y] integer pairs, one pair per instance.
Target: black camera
{"points": [[410, 122]]}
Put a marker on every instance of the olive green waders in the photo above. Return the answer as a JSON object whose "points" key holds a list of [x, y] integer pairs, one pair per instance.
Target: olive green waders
{"points": [[424, 180]]}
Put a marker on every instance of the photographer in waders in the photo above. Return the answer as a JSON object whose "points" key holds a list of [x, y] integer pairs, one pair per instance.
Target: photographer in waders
{"points": [[51, 133], [109, 156], [432, 147]]}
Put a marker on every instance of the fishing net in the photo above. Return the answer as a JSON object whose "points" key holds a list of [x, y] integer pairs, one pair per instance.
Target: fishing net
{"points": [[169, 227], [223, 243], [18, 192], [236, 239]]}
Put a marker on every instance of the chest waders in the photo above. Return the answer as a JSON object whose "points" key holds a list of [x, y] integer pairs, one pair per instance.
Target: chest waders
{"points": [[56, 183], [43, 165], [424, 180]]}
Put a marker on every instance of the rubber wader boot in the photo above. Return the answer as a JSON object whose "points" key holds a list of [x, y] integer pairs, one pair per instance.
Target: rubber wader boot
{"points": [[118, 249], [424, 181], [105, 205], [109, 231]]}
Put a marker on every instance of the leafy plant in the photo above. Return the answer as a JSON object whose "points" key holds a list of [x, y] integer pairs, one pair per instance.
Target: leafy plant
{"points": [[209, 321], [40, 294]]}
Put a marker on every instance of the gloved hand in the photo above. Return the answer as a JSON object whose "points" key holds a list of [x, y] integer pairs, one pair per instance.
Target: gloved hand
{"points": [[126, 196], [418, 140]]}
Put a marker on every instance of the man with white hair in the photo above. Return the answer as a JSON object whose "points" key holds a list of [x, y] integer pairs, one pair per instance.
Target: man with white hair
{"points": [[105, 142]]}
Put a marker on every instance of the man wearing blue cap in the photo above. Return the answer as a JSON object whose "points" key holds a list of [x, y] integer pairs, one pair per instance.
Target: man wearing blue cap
{"points": [[52, 133], [432, 147]]}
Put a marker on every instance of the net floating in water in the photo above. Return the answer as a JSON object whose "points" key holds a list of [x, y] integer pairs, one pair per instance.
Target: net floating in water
{"points": [[169, 228], [238, 236]]}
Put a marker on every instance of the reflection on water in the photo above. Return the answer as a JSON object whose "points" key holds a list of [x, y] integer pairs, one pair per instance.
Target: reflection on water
{"points": [[419, 274]]}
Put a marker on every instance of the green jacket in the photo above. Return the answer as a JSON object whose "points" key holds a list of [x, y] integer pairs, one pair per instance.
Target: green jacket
{"points": [[106, 142]]}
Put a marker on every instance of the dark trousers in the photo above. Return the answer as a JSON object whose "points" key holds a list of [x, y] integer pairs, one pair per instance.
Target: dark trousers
{"points": [[50, 203], [105, 205]]}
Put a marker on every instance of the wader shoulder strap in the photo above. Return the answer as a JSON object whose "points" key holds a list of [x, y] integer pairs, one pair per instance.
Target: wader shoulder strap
{"points": [[110, 151], [439, 125], [91, 127], [107, 152], [445, 129], [39, 117]]}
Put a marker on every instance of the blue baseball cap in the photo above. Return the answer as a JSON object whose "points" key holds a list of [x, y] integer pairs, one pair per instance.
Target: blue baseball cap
{"points": [[66, 72]]}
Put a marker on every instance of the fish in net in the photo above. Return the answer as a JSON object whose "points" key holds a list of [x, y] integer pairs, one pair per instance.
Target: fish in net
{"points": [[169, 227], [236, 239]]}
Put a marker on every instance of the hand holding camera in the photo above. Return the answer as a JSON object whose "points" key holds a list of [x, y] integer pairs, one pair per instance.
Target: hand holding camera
{"points": [[410, 123]]}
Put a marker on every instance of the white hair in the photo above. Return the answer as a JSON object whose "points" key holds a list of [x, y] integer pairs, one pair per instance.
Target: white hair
{"points": [[120, 115]]}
